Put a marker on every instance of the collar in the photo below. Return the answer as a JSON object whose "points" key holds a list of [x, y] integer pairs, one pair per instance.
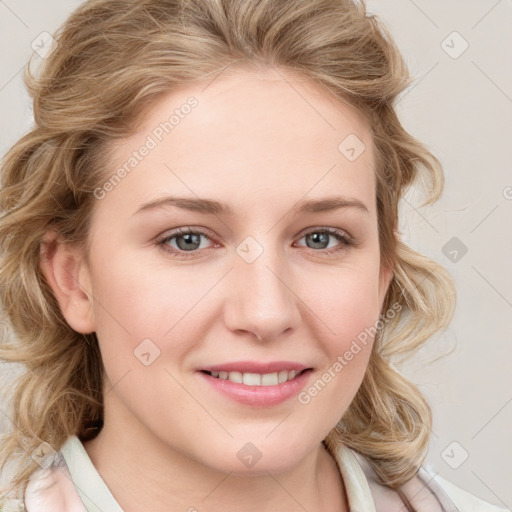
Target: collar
{"points": [[96, 496]]}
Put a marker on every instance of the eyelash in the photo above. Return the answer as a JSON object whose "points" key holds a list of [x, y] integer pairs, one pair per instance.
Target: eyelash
{"points": [[345, 239]]}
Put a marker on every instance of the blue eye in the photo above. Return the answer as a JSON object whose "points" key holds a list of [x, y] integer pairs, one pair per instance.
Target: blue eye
{"points": [[319, 237], [186, 243]]}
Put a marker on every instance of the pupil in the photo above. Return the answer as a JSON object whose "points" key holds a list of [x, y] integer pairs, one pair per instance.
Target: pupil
{"points": [[190, 238], [319, 238]]}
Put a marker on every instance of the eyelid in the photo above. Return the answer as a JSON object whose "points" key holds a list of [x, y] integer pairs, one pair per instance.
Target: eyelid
{"points": [[185, 231], [333, 231]]}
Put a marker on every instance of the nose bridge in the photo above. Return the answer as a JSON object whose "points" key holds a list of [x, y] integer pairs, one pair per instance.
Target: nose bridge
{"points": [[264, 302]]}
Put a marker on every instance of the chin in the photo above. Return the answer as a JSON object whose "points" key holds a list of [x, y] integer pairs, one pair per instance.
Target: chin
{"points": [[259, 457]]}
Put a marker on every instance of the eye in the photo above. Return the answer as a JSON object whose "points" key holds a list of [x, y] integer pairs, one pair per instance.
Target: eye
{"points": [[186, 242], [318, 238]]}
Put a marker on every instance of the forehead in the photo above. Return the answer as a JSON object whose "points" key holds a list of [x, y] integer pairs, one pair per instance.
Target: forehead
{"points": [[248, 133]]}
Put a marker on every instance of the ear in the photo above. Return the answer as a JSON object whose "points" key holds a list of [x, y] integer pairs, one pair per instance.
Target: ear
{"points": [[68, 276]]}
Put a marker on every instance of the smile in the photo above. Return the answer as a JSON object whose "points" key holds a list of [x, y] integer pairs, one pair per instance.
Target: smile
{"points": [[257, 379], [256, 389]]}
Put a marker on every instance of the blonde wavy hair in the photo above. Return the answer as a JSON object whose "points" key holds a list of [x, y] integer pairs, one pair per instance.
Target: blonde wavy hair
{"points": [[113, 59]]}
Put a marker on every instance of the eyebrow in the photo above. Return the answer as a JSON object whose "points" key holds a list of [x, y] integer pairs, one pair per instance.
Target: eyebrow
{"points": [[212, 207]]}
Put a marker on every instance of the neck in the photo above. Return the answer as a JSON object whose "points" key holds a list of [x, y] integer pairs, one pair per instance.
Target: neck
{"points": [[143, 473]]}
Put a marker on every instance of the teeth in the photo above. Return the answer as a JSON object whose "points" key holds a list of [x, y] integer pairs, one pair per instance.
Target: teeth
{"points": [[269, 379], [251, 379], [235, 377], [257, 379]]}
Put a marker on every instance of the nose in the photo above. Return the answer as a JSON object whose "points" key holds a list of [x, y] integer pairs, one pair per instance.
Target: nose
{"points": [[261, 298]]}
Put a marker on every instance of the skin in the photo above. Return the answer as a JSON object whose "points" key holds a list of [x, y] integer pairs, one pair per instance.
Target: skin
{"points": [[259, 141]]}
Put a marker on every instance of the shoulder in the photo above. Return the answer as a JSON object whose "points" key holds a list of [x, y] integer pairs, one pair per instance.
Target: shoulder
{"points": [[52, 490], [427, 491], [464, 500]]}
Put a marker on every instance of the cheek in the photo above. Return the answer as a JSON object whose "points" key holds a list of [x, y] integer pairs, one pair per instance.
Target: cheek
{"points": [[143, 301], [329, 394], [142, 325], [148, 316], [346, 300], [348, 305]]}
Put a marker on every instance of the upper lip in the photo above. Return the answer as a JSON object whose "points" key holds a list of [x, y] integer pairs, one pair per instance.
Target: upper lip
{"points": [[256, 367]]}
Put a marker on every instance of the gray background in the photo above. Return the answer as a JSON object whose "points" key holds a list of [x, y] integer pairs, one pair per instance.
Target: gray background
{"points": [[461, 106]]}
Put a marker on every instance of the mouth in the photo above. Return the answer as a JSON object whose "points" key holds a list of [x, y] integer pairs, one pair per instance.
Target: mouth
{"points": [[257, 379]]}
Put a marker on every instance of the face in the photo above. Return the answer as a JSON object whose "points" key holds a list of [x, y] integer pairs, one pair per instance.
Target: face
{"points": [[279, 271]]}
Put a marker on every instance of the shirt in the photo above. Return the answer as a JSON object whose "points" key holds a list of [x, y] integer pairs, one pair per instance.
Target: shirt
{"points": [[72, 484]]}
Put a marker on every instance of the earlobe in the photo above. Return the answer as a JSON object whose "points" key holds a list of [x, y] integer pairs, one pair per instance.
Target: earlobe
{"points": [[67, 275]]}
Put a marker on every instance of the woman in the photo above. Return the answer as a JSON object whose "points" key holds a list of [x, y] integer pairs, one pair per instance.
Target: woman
{"points": [[202, 267]]}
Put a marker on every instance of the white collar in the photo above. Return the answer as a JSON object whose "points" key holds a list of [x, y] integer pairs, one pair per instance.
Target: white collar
{"points": [[97, 497]]}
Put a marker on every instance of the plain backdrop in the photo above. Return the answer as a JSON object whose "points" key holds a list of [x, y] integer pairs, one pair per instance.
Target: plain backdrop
{"points": [[460, 106]]}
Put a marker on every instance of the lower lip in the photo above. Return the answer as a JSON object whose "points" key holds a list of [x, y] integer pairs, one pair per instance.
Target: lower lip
{"points": [[258, 396]]}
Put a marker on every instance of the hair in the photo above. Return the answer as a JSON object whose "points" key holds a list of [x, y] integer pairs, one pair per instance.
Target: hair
{"points": [[113, 60]]}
